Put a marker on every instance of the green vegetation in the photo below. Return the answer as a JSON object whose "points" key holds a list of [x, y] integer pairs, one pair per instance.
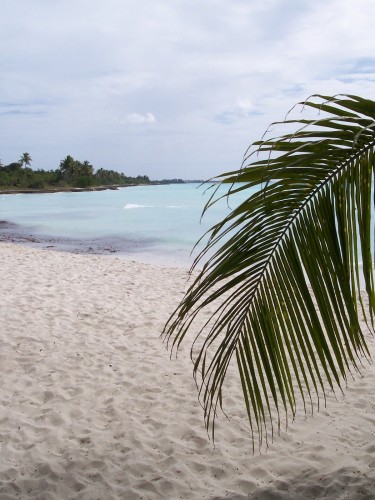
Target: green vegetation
{"points": [[71, 174], [283, 273]]}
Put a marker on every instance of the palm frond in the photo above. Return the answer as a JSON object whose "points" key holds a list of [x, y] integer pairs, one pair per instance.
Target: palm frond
{"points": [[282, 272]]}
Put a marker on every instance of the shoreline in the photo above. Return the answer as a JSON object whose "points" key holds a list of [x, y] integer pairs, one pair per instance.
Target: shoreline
{"points": [[112, 187]]}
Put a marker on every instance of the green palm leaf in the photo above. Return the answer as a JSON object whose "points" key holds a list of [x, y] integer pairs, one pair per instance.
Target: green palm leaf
{"points": [[282, 271]]}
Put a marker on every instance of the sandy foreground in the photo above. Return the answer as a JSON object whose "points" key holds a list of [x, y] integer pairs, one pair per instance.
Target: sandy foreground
{"points": [[93, 408]]}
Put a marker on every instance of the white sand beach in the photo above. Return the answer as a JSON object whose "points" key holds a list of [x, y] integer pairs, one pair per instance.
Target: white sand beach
{"points": [[92, 407]]}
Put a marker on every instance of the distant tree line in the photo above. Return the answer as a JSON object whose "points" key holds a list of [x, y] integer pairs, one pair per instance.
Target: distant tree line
{"points": [[178, 181], [71, 173]]}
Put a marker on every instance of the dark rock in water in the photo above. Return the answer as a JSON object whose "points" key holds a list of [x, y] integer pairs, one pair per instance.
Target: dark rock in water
{"points": [[4, 224]]}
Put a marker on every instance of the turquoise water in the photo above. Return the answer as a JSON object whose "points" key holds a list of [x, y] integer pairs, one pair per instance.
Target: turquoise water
{"points": [[151, 223]]}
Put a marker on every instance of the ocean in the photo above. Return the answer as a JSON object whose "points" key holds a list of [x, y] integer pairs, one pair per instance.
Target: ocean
{"points": [[158, 224]]}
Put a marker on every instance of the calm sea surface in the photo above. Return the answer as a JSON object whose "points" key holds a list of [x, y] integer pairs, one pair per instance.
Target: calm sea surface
{"points": [[157, 224]]}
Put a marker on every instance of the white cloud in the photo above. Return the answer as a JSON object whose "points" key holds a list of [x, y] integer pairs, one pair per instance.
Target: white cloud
{"points": [[244, 107], [140, 119]]}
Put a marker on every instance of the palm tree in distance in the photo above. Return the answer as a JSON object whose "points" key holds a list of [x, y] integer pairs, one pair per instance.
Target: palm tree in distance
{"points": [[25, 160], [68, 166], [283, 270], [87, 169]]}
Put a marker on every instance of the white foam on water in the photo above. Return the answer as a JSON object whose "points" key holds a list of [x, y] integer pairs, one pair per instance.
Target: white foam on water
{"points": [[132, 206]]}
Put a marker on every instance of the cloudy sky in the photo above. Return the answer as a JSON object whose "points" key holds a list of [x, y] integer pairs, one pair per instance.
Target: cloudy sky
{"points": [[173, 88]]}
